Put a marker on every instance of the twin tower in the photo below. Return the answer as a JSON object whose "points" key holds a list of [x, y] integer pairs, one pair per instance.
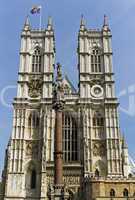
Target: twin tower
{"points": [[95, 155]]}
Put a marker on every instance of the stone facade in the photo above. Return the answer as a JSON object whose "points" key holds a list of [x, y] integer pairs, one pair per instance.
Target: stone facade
{"points": [[95, 155]]}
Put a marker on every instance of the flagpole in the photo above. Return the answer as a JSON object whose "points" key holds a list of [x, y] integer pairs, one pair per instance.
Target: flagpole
{"points": [[40, 19]]}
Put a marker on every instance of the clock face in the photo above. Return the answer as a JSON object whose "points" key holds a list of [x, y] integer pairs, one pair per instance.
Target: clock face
{"points": [[97, 91]]}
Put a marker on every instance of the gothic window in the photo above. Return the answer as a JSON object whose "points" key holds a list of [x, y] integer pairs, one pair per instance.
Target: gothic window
{"points": [[125, 193], [36, 60], [70, 150], [33, 179], [96, 60], [112, 193]]}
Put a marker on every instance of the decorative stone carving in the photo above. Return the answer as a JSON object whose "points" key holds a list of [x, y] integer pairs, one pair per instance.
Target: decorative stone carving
{"points": [[96, 79], [97, 91], [99, 148], [68, 180], [32, 149], [35, 87]]}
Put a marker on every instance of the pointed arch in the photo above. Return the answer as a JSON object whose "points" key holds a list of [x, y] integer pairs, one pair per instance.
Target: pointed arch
{"points": [[96, 60], [112, 193], [31, 175], [36, 60], [100, 168], [125, 192]]}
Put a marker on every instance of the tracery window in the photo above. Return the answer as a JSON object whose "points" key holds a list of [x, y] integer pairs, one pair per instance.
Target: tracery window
{"points": [[96, 60], [36, 60], [70, 148]]}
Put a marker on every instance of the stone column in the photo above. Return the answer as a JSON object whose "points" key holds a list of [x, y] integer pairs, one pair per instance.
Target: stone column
{"points": [[58, 174], [58, 191]]}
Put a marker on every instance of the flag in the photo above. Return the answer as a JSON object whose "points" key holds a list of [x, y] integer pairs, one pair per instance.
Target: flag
{"points": [[35, 10]]}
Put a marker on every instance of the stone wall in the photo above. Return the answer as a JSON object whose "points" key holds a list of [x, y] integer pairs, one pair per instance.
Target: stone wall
{"points": [[100, 188]]}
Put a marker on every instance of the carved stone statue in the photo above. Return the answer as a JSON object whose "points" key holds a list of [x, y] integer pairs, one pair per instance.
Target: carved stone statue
{"points": [[59, 73], [58, 89]]}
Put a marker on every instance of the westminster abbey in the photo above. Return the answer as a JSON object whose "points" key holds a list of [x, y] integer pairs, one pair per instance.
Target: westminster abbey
{"points": [[95, 160]]}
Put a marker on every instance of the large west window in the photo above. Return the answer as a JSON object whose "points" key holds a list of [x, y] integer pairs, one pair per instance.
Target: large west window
{"points": [[96, 60], [36, 60], [70, 148]]}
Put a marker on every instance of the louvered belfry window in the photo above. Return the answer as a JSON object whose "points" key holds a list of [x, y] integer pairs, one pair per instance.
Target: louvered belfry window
{"points": [[36, 60]]}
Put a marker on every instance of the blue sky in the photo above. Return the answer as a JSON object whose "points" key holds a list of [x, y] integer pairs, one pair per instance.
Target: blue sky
{"points": [[66, 16]]}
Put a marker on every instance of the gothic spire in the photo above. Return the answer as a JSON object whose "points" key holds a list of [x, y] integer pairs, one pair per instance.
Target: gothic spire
{"points": [[105, 20], [50, 23], [27, 24], [106, 23], [82, 23]]}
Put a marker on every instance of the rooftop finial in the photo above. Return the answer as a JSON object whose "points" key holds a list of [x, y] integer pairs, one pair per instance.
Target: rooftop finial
{"points": [[105, 20], [106, 24], [50, 23], [50, 20], [82, 24], [27, 23], [82, 20]]}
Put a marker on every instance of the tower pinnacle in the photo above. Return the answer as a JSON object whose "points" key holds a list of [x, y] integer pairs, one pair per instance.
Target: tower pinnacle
{"points": [[106, 23], [105, 20], [82, 23], [50, 23], [27, 24]]}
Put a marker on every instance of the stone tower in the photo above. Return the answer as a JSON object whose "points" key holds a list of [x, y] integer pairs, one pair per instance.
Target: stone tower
{"points": [[32, 121], [102, 136], [93, 154]]}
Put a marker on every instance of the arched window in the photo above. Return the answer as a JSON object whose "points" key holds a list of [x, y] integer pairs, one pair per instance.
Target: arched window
{"points": [[112, 193], [70, 149], [36, 60], [125, 192], [96, 60], [33, 179]]}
